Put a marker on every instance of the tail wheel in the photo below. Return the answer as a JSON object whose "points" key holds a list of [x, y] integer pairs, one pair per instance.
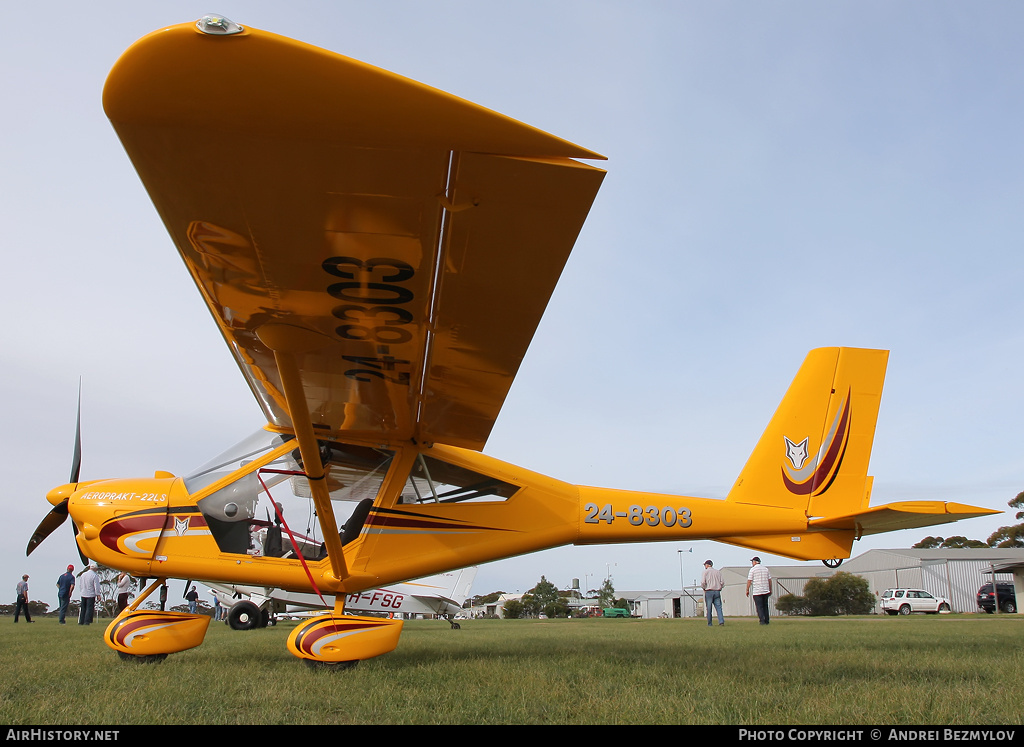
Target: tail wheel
{"points": [[833, 562], [244, 616]]}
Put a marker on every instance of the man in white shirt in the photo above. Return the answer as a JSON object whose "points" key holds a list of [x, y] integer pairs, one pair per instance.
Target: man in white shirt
{"points": [[711, 582], [89, 585], [759, 583]]}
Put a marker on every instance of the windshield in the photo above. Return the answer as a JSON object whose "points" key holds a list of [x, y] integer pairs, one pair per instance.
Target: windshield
{"points": [[245, 451]]}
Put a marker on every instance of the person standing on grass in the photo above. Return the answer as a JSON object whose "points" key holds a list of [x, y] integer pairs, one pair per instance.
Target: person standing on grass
{"points": [[22, 601], [759, 582], [124, 591], [65, 586], [89, 583], [711, 582]]}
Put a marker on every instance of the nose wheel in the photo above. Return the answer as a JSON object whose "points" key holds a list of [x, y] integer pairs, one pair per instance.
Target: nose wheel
{"points": [[142, 659], [330, 666]]}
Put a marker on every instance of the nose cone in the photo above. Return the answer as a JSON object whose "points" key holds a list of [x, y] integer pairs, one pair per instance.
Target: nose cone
{"points": [[61, 493]]}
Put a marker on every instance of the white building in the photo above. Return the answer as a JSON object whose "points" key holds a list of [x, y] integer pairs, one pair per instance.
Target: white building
{"points": [[952, 573], [670, 603]]}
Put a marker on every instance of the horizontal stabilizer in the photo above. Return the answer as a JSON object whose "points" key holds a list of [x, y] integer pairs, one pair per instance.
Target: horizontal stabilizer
{"points": [[907, 515], [798, 545]]}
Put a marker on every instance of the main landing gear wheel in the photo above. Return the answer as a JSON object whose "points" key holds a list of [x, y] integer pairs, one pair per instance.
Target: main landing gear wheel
{"points": [[833, 562], [244, 616], [142, 659], [330, 666]]}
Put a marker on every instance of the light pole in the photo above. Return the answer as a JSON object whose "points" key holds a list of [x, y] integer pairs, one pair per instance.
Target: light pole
{"points": [[682, 585], [680, 553]]}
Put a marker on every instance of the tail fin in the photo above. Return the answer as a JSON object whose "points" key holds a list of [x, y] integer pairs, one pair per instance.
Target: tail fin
{"points": [[814, 453], [460, 590], [443, 590]]}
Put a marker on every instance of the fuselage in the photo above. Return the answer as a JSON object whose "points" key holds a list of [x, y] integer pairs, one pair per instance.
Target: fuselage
{"points": [[434, 509]]}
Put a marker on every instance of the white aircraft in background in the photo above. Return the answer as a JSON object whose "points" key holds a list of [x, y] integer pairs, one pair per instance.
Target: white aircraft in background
{"points": [[251, 607]]}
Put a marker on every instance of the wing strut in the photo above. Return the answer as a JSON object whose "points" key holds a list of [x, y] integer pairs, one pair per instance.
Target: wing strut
{"points": [[281, 520], [286, 341]]}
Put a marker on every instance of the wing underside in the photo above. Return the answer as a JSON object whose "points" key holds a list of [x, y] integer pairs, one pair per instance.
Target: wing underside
{"points": [[412, 238]]}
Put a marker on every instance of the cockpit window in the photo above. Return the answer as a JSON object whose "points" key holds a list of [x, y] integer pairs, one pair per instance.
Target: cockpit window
{"points": [[243, 519], [354, 473], [434, 481]]}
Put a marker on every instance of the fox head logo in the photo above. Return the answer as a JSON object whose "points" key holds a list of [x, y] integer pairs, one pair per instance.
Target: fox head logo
{"points": [[180, 526], [813, 475], [796, 453]]}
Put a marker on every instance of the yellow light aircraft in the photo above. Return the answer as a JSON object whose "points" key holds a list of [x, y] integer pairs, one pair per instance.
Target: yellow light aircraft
{"points": [[377, 255]]}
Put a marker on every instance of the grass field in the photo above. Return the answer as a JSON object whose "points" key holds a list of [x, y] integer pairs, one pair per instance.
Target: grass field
{"points": [[949, 669]]}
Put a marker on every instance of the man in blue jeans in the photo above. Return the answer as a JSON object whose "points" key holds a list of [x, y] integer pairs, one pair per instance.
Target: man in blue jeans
{"points": [[759, 584], [22, 601], [65, 587], [712, 582]]}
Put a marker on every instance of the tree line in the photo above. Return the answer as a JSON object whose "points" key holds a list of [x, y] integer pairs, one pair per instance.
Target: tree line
{"points": [[546, 599], [1008, 536]]}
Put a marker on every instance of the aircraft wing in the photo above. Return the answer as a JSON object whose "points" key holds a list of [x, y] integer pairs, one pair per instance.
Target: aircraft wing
{"points": [[406, 240], [895, 516]]}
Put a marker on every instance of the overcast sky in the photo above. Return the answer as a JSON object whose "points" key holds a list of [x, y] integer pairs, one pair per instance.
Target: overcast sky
{"points": [[781, 176]]}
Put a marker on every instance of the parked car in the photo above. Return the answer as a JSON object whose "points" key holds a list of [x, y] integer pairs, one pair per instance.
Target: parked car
{"points": [[905, 601], [1007, 597]]}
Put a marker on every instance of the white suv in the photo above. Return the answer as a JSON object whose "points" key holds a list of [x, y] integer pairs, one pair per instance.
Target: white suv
{"points": [[905, 601]]}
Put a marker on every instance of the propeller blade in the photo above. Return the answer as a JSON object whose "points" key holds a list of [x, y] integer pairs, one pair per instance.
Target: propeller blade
{"points": [[76, 461], [50, 522], [76, 466], [59, 513]]}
